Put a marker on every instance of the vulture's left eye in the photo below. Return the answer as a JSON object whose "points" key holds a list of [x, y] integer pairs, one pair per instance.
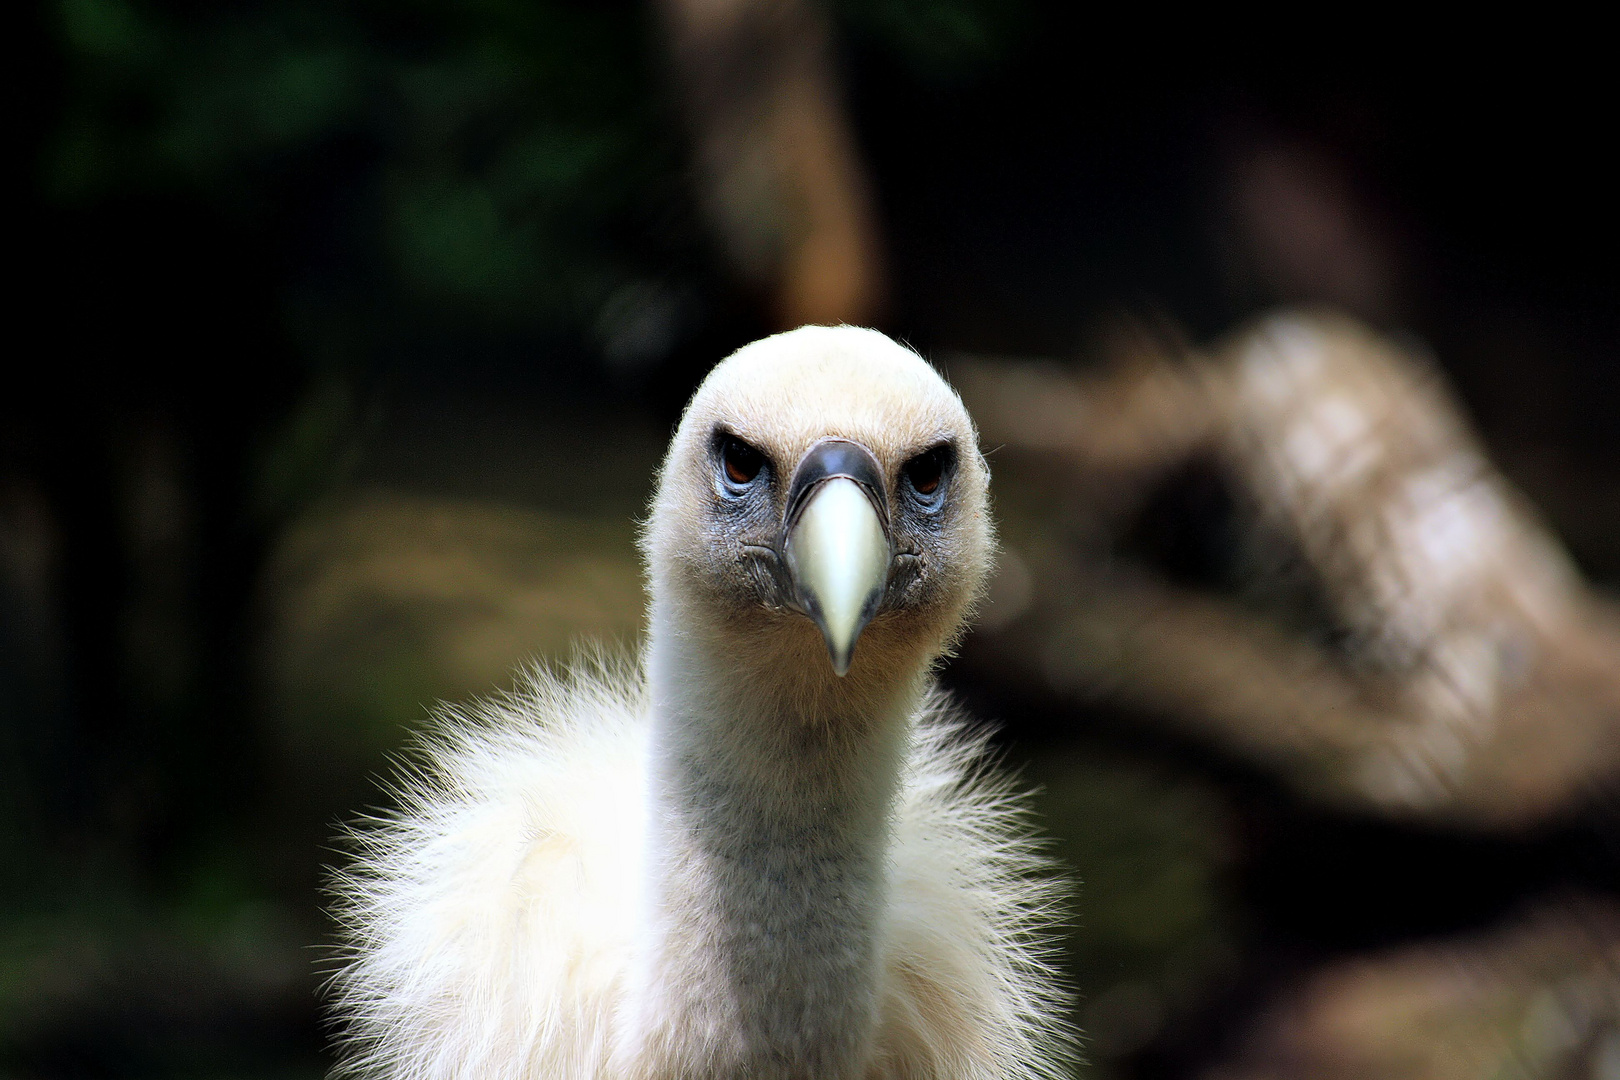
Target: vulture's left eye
{"points": [[740, 461], [926, 472]]}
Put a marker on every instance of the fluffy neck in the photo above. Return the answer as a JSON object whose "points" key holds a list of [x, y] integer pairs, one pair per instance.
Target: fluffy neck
{"points": [[772, 788]]}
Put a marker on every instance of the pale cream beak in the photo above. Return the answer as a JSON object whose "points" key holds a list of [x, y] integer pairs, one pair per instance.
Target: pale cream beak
{"points": [[839, 556]]}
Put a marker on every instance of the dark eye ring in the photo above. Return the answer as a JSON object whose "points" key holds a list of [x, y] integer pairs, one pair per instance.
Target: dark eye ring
{"points": [[739, 461], [926, 471]]}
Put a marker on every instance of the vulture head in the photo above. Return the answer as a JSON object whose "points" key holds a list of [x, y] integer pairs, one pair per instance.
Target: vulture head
{"points": [[822, 514]]}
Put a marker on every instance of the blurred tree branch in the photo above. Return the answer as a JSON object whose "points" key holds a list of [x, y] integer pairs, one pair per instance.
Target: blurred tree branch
{"points": [[777, 167], [1397, 630], [1536, 997]]}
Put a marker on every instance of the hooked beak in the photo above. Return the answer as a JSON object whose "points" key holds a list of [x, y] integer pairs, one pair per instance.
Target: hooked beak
{"points": [[837, 545]]}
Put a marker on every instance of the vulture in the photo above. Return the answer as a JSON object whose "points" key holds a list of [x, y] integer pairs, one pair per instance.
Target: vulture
{"points": [[767, 847]]}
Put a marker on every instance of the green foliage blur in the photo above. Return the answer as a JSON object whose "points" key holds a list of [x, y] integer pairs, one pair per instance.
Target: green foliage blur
{"points": [[499, 161], [496, 170]]}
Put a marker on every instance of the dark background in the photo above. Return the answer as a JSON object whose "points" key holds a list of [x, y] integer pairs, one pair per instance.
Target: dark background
{"points": [[274, 259]]}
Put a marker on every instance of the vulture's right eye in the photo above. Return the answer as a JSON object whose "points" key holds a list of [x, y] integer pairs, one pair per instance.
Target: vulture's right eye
{"points": [[739, 461]]}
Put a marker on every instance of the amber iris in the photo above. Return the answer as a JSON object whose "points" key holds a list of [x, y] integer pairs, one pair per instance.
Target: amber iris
{"points": [[926, 470], [741, 461]]}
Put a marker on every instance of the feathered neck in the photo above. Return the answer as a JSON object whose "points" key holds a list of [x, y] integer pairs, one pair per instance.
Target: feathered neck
{"points": [[772, 784]]}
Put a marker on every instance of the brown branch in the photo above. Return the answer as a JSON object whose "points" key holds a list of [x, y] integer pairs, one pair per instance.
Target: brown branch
{"points": [[777, 167], [1472, 676]]}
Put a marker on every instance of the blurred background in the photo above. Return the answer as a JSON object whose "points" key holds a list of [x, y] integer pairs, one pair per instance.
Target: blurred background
{"points": [[361, 326]]}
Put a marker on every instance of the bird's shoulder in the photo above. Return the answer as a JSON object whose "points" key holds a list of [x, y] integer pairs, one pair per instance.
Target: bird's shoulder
{"points": [[514, 852], [969, 986]]}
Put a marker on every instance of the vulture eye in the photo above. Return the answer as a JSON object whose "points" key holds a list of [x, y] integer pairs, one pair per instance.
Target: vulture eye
{"points": [[740, 461], [926, 471]]}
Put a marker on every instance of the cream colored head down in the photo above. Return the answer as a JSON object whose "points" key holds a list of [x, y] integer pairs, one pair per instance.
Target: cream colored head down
{"points": [[767, 851]]}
